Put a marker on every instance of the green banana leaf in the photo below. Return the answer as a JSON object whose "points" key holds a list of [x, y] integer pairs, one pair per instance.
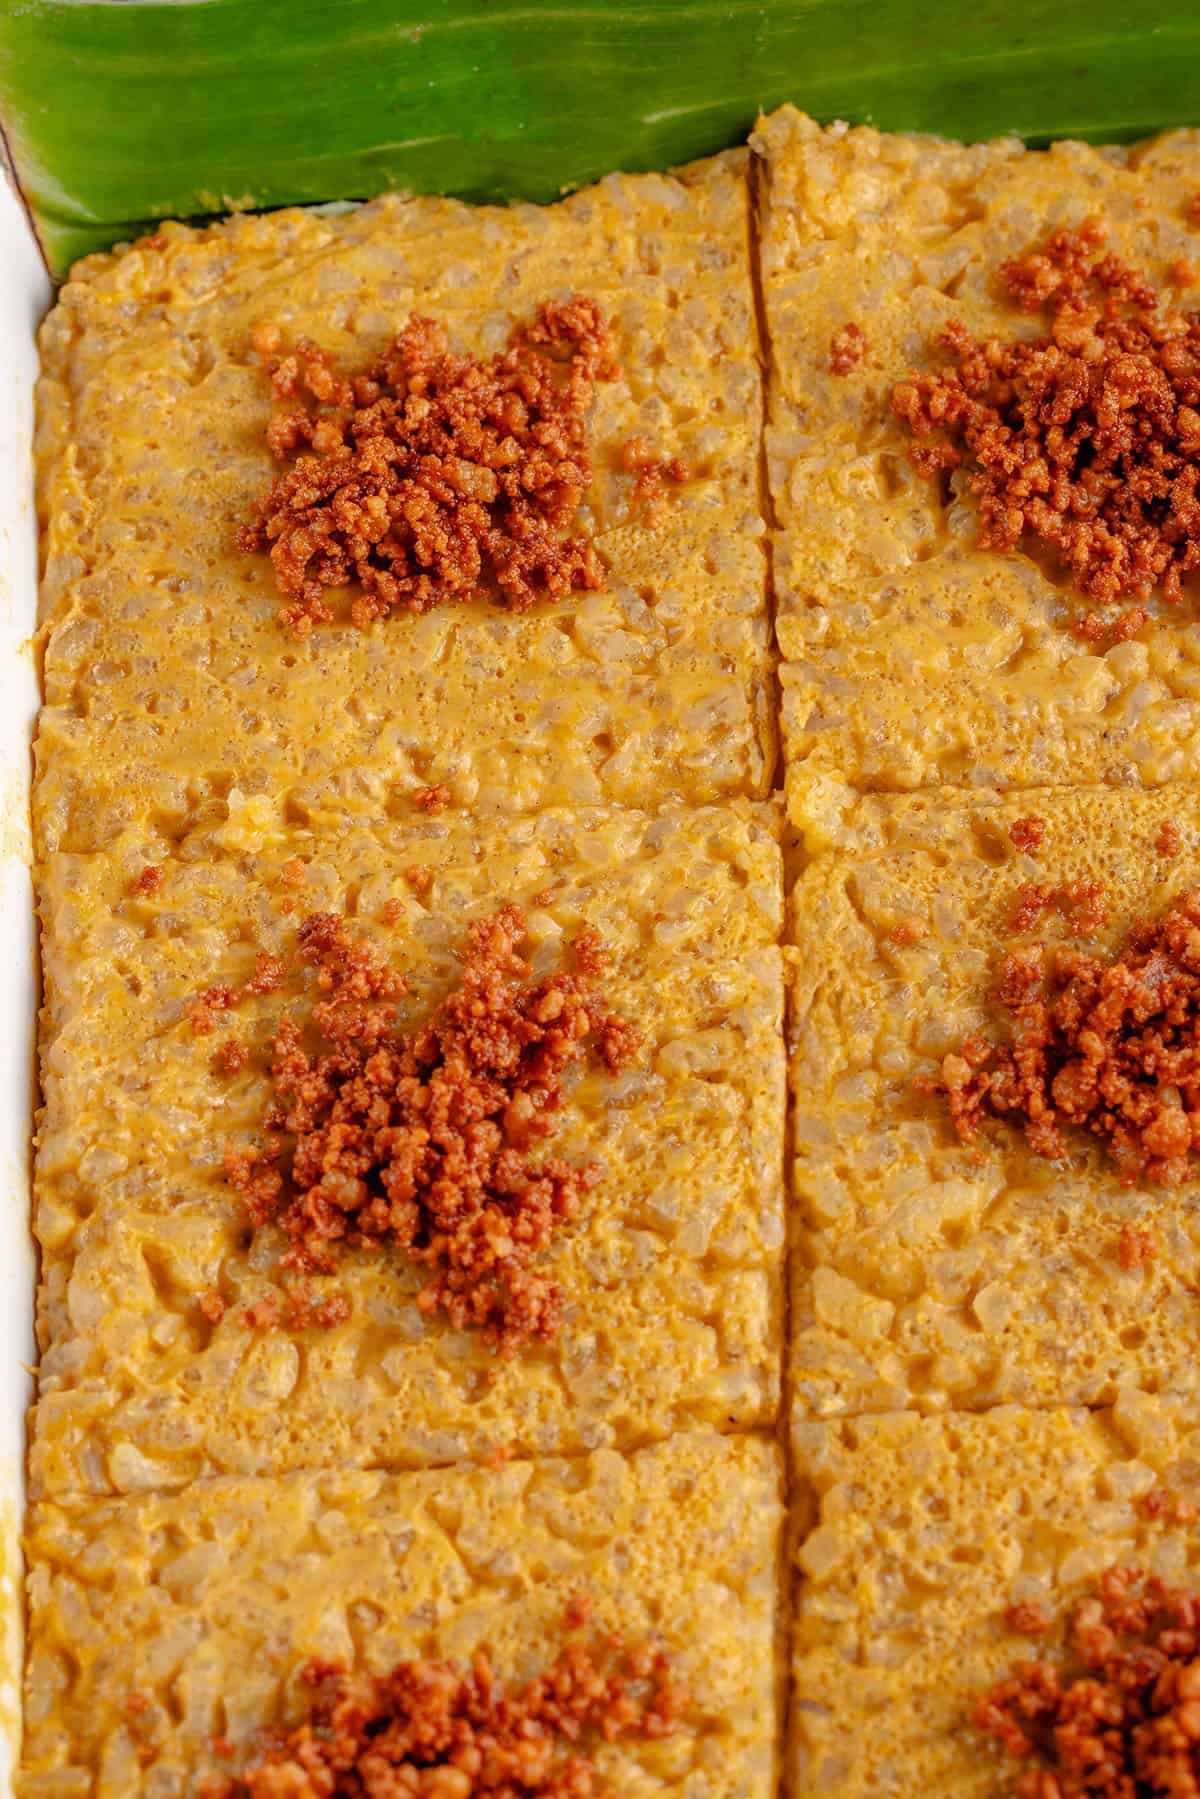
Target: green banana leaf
{"points": [[120, 112]]}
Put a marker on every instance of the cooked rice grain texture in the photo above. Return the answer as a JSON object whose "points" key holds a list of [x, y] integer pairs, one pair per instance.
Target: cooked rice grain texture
{"points": [[672, 1276], [168, 676], [920, 1533], [912, 657], [208, 1604], [929, 1276]]}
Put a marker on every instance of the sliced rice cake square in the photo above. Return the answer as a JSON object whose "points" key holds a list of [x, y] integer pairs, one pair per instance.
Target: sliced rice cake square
{"points": [[169, 675], [671, 1276], [205, 1606], [912, 656], [915, 1538], [936, 1273]]}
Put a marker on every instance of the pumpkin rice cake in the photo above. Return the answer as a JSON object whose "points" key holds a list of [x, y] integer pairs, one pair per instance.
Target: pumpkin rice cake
{"points": [[916, 1536], [206, 1606], [672, 1275], [934, 1274], [912, 657], [170, 679]]}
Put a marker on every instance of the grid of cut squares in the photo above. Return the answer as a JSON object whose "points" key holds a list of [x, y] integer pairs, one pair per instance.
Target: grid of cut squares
{"points": [[930, 1289]]}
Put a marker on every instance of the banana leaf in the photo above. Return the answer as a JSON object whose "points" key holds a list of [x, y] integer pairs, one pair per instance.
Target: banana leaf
{"points": [[121, 112]]}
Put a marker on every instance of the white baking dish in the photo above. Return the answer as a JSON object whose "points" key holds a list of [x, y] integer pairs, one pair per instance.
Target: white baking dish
{"points": [[24, 297]]}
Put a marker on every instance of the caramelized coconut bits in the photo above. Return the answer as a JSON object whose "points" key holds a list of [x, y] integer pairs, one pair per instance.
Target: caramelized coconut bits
{"points": [[1119, 1718], [1087, 439], [431, 1139], [443, 1731], [1107, 1044], [429, 476]]}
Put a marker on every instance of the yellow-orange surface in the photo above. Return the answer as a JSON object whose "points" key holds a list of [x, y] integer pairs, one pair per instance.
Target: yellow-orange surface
{"points": [[912, 657]]}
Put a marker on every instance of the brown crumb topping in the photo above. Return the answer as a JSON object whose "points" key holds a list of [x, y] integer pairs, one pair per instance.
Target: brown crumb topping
{"points": [[432, 1139], [1028, 834], [847, 349], [1161, 1502], [419, 877], [1169, 840], [440, 1730], [1137, 1247], [231, 1057], [1086, 439], [220, 997], [434, 800], [212, 1306], [1191, 211], [431, 477], [907, 931], [1080, 904], [268, 977], [296, 1307], [295, 873], [149, 881], [1100, 631], [1109, 1044], [1028, 1620], [1118, 1716], [656, 476]]}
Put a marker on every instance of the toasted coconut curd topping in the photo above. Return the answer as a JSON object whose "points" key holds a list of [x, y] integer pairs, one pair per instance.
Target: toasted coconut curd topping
{"points": [[1118, 1717], [431, 477], [1028, 834], [847, 349], [656, 476], [1169, 840], [438, 1730], [1106, 1044], [431, 1139], [1081, 905], [1087, 439]]}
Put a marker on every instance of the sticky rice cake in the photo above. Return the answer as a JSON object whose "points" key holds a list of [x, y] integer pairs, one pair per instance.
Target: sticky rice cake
{"points": [[912, 657], [931, 1276], [672, 1275], [169, 678], [207, 1604], [922, 1532]]}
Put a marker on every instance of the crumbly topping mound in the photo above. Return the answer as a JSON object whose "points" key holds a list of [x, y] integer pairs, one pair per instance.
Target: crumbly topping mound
{"points": [[432, 1139], [1106, 1044], [431, 477], [437, 1730], [1119, 1718], [1086, 439]]}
